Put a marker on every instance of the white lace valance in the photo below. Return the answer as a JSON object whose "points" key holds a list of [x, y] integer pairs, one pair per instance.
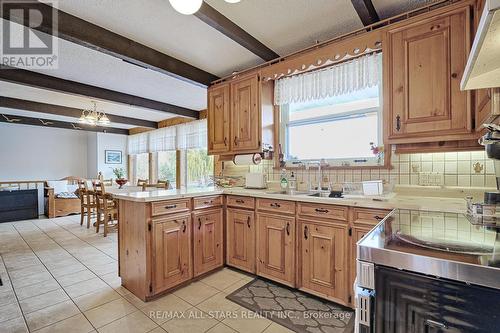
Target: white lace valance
{"points": [[163, 139], [138, 144], [192, 135], [357, 74]]}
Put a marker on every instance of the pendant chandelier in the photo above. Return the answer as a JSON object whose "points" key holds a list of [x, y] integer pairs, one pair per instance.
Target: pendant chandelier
{"points": [[93, 117], [188, 7]]}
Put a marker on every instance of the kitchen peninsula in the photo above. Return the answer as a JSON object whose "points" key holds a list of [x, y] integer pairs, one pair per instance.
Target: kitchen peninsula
{"points": [[169, 237]]}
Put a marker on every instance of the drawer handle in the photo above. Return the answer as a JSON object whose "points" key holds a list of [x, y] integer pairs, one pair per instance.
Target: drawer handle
{"points": [[248, 222], [275, 204], [199, 223], [288, 228], [435, 27], [170, 206], [436, 324], [207, 202], [240, 201], [321, 210], [378, 218], [184, 226], [305, 232]]}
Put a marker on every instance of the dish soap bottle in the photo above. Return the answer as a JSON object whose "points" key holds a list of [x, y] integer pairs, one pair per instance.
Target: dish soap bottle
{"points": [[283, 180], [292, 183]]}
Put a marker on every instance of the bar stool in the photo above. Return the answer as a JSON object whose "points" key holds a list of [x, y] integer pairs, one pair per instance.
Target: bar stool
{"points": [[107, 209], [87, 200]]}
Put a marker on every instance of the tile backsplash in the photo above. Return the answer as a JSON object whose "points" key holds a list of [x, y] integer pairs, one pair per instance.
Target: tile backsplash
{"points": [[464, 169]]}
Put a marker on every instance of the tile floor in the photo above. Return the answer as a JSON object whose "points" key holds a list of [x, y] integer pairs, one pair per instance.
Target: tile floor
{"points": [[60, 277]]}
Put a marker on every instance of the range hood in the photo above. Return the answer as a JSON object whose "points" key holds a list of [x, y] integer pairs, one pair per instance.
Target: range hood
{"points": [[483, 65]]}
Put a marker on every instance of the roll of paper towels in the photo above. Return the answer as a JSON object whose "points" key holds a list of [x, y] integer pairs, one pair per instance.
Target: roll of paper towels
{"points": [[247, 159]]}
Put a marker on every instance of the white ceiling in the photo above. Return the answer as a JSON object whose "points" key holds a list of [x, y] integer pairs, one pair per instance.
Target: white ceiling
{"points": [[285, 26]]}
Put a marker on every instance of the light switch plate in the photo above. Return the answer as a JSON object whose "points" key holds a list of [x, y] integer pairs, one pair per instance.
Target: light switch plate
{"points": [[430, 179]]}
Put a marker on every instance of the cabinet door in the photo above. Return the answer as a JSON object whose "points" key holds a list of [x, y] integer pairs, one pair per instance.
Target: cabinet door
{"points": [[276, 247], [245, 115], [208, 245], [424, 64], [240, 245], [218, 119], [171, 252], [323, 247]]}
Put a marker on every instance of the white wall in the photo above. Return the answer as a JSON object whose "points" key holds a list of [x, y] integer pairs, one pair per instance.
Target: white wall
{"points": [[106, 141], [91, 155], [38, 153]]}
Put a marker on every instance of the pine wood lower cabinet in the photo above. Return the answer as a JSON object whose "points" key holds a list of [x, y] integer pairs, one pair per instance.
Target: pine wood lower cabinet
{"points": [[323, 258], [276, 247], [207, 236], [240, 240], [171, 251]]}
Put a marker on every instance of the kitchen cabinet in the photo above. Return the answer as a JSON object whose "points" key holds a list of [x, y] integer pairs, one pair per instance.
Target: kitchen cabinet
{"points": [[323, 258], [218, 119], [276, 247], [240, 116], [171, 251], [240, 240], [423, 62], [207, 235]]}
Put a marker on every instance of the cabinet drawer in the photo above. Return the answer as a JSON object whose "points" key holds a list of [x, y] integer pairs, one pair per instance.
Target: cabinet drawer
{"points": [[368, 215], [279, 206], [323, 211], [169, 206], [205, 202], [241, 202]]}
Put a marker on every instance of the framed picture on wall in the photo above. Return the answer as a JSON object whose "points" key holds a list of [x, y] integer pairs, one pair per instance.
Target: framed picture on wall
{"points": [[113, 157]]}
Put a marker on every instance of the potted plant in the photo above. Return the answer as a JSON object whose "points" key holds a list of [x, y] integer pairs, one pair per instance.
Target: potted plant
{"points": [[120, 177]]}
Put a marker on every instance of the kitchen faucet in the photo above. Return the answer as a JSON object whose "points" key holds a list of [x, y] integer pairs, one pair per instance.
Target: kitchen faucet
{"points": [[308, 165]]}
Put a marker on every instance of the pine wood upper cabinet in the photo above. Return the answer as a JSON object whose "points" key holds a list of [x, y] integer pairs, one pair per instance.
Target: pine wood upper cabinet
{"points": [[423, 64], [240, 245], [245, 120], [207, 235], [276, 247], [324, 257], [171, 251], [218, 119]]}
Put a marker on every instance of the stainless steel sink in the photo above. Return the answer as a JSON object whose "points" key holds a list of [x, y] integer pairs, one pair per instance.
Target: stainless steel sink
{"points": [[289, 193]]}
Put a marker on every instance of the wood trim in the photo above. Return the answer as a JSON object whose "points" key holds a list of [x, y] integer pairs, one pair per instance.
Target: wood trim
{"points": [[25, 105], [38, 80], [138, 130], [439, 146], [84, 33], [21, 120], [219, 22], [366, 11]]}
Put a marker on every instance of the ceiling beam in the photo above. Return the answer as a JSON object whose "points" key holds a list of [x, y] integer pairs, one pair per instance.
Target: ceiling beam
{"points": [[84, 33], [216, 20], [366, 11], [37, 80], [21, 104], [21, 120]]}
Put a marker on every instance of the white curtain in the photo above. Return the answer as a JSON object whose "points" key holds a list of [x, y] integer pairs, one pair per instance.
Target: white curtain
{"points": [[360, 73], [163, 139], [138, 143], [192, 135]]}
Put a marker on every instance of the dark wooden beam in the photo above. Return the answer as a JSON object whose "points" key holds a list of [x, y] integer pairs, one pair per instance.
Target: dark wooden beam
{"points": [[34, 79], [366, 11], [86, 34], [21, 120], [221, 23], [21, 104]]}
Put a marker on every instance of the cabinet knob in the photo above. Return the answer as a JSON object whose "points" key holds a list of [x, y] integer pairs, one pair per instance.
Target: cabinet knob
{"points": [[454, 75]]}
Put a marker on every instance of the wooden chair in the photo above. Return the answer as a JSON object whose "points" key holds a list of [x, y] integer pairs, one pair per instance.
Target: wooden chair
{"points": [[87, 200], [107, 209]]}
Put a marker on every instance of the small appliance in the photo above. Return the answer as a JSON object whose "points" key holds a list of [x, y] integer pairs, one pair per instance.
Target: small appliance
{"points": [[255, 180]]}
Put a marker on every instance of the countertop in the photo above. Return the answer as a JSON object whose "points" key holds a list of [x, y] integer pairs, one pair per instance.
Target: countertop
{"points": [[438, 204]]}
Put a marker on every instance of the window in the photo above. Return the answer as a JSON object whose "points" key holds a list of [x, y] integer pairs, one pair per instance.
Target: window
{"points": [[338, 129], [166, 166], [199, 168], [140, 167]]}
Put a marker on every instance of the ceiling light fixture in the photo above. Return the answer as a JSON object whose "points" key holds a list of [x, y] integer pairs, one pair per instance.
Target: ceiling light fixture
{"points": [[186, 7], [93, 117]]}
